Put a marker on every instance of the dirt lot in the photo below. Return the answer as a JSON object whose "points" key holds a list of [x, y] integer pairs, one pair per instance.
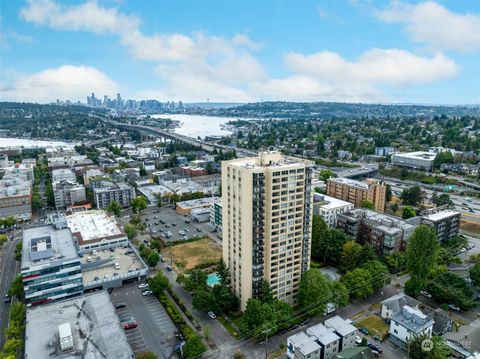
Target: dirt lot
{"points": [[470, 226], [188, 255]]}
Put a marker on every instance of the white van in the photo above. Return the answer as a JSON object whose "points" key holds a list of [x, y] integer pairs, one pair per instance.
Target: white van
{"points": [[117, 266]]}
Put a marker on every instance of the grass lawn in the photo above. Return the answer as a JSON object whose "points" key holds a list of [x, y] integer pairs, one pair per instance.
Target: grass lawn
{"points": [[228, 326], [375, 325], [191, 254]]}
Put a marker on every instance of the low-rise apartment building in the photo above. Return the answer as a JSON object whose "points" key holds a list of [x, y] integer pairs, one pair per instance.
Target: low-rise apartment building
{"points": [[15, 198], [385, 233], [63, 174], [327, 339], [111, 191], [357, 192], [344, 329], [329, 207], [68, 193], [302, 346], [445, 222]]}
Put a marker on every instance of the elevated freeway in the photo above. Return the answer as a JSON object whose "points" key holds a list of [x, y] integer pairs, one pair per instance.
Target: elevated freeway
{"points": [[207, 146]]}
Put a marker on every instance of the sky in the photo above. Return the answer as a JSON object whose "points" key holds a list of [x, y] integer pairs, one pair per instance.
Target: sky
{"points": [[241, 51]]}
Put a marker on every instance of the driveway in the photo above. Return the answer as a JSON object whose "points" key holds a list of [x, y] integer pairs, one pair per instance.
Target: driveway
{"points": [[155, 331]]}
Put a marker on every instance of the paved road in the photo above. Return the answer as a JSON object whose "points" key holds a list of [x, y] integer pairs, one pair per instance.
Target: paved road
{"points": [[9, 268], [155, 331]]}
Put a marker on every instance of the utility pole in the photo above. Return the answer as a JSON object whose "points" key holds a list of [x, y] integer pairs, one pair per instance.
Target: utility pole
{"points": [[266, 332]]}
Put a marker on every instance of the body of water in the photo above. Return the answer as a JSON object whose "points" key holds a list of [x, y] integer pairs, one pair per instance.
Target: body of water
{"points": [[26, 143], [195, 125]]}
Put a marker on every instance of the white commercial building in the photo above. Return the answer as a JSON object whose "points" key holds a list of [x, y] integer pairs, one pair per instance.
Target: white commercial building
{"points": [[329, 207], [96, 230], [419, 160]]}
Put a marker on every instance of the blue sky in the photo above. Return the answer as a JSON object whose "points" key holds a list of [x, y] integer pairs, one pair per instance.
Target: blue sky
{"points": [[239, 51]]}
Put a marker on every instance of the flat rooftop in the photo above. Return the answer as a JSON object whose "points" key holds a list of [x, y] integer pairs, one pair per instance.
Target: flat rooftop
{"points": [[151, 192], [48, 244], [106, 270], [419, 155], [342, 326], [93, 226], [201, 202], [328, 202], [324, 335], [270, 159], [350, 182], [440, 215], [95, 329]]}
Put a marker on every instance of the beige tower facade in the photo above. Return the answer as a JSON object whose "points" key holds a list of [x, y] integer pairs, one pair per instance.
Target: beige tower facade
{"points": [[267, 209], [356, 191]]}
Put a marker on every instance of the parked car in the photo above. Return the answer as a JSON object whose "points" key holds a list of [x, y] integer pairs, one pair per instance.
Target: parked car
{"points": [[426, 294], [174, 224], [212, 315], [364, 331], [143, 286], [454, 307], [199, 230], [358, 340], [130, 325], [147, 292], [374, 348], [7, 299], [120, 306]]}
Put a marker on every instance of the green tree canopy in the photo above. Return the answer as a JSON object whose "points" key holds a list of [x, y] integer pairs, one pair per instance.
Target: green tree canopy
{"points": [[153, 258], [438, 350], [194, 347], [475, 274], [368, 204], [114, 207], [413, 195], [359, 283], [377, 270], [158, 283], [139, 204], [408, 212], [422, 251]]}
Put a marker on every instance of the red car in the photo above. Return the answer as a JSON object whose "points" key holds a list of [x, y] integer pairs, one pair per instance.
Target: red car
{"points": [[130, 325]]}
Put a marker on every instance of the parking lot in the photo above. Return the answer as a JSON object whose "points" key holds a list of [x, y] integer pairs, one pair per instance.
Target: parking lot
{"points": [[174, 223], [155, 331]]}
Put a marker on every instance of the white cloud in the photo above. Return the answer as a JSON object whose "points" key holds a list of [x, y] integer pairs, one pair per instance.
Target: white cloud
{"points": [[64, 82], [433, 24], [392, 67], [197, 66]]}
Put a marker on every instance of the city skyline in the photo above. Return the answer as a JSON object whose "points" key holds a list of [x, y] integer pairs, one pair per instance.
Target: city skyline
{"points": [[355, 51]]}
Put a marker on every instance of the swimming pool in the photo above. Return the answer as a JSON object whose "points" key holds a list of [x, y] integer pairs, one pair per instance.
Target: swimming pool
{"points": [[213, 279]]}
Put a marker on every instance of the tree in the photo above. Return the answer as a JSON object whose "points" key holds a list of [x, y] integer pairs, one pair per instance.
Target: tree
{"points": [[139, 204], [359, 283], [266, 295], [388, 193], [18, 251], [422, 252], [368, 205], [130, 230], [394, 207], [443, 157], [319, 230], [223, 273], [315, 291], [475, 274], [408, 212], [438, 350], [443, 200], [377, 270], [146, 355], [114, 207], [325, 174], [452, 289], [194, 347], [414, 286], [351, 256], [16, 288], [413, 195], [340, 294], [204, 300], [225, 297], [158, 283], [153, 259]]}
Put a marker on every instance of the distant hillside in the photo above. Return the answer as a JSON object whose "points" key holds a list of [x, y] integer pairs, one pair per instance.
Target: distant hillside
{"points": [[327, 110]]}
